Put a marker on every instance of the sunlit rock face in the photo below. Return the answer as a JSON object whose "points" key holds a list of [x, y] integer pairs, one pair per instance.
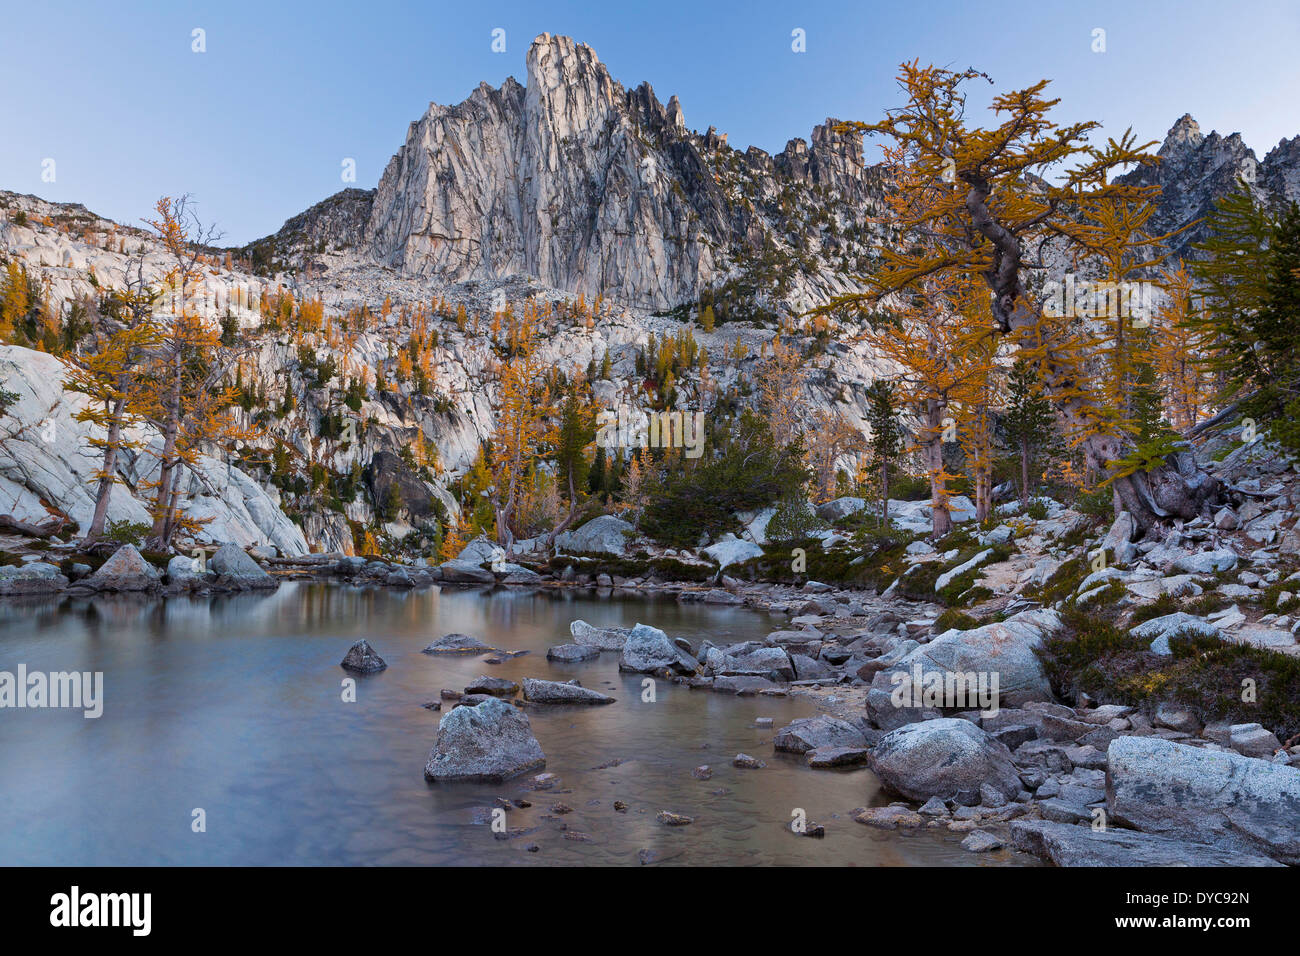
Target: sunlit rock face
{"points": [[589, 186]]}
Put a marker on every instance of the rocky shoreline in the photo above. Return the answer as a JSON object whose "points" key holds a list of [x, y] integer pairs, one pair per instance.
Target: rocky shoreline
{"points": [[1094, 785], [1106, 776]]}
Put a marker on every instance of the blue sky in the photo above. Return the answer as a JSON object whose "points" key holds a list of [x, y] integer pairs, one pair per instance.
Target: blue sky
{"points": [[256, 127]]}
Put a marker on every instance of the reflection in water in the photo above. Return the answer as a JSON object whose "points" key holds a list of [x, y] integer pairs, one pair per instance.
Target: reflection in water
{"points": [[233, 704]]}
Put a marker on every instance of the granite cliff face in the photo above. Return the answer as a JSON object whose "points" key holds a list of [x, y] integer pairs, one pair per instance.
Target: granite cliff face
{"points": [[600, 190], [597, 189]]}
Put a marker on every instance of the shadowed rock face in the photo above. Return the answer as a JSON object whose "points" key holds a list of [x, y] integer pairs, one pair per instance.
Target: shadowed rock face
{"points": [[387, 471], [1195, 170]]}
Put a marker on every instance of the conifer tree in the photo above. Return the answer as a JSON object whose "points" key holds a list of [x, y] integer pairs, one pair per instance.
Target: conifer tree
{"points": [[1178, 355], [523, 428], [988, 200], [1028, 420], [183, 394], [886, 436], [111, 377], [1250, 280], [577, 432]]}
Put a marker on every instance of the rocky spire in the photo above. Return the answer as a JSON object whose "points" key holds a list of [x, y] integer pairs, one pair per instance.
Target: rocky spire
{"points": [[588, 186], [1184, 135]]}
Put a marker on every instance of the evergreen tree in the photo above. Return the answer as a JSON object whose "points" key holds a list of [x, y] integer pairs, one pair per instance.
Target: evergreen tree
{"points": [[596, 475], [1250, 280], [1028, 420], [576, 433], [886, 436], [1025, 181]]}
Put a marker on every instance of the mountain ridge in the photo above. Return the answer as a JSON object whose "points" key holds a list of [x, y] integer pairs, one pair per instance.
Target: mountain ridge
{"points": [[598, 189]]}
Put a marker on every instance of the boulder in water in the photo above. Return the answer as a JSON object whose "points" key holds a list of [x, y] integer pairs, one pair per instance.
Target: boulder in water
{"points": [[604, 638], [809, 733], [457, 644], [495, 686], [362, 659], [648, 650], [487, 743], [939, 758], [557, 692], [457, 571]]}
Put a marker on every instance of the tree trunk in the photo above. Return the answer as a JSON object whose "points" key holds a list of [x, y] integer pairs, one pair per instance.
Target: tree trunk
{"points": [[983, 495], [30, 530], [884, 495], [1024, 473], [160, 534], [563, 526], [106, 482], [940, 515], [173, 506]]}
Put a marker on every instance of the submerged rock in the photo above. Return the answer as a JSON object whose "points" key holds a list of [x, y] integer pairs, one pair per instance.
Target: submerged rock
{"points": [[981, 841], [362, 659], [572, 653], [668, 818], [494, 686], [487, 743], [457, 644], [888, 818]]}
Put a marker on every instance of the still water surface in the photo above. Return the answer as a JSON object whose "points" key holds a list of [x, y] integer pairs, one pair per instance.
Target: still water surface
{"points": [[233, 704]]}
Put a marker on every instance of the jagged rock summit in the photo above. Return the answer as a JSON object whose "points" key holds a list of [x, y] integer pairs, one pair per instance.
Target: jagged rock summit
{"points": [[592, 188], [1195, 170]]}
